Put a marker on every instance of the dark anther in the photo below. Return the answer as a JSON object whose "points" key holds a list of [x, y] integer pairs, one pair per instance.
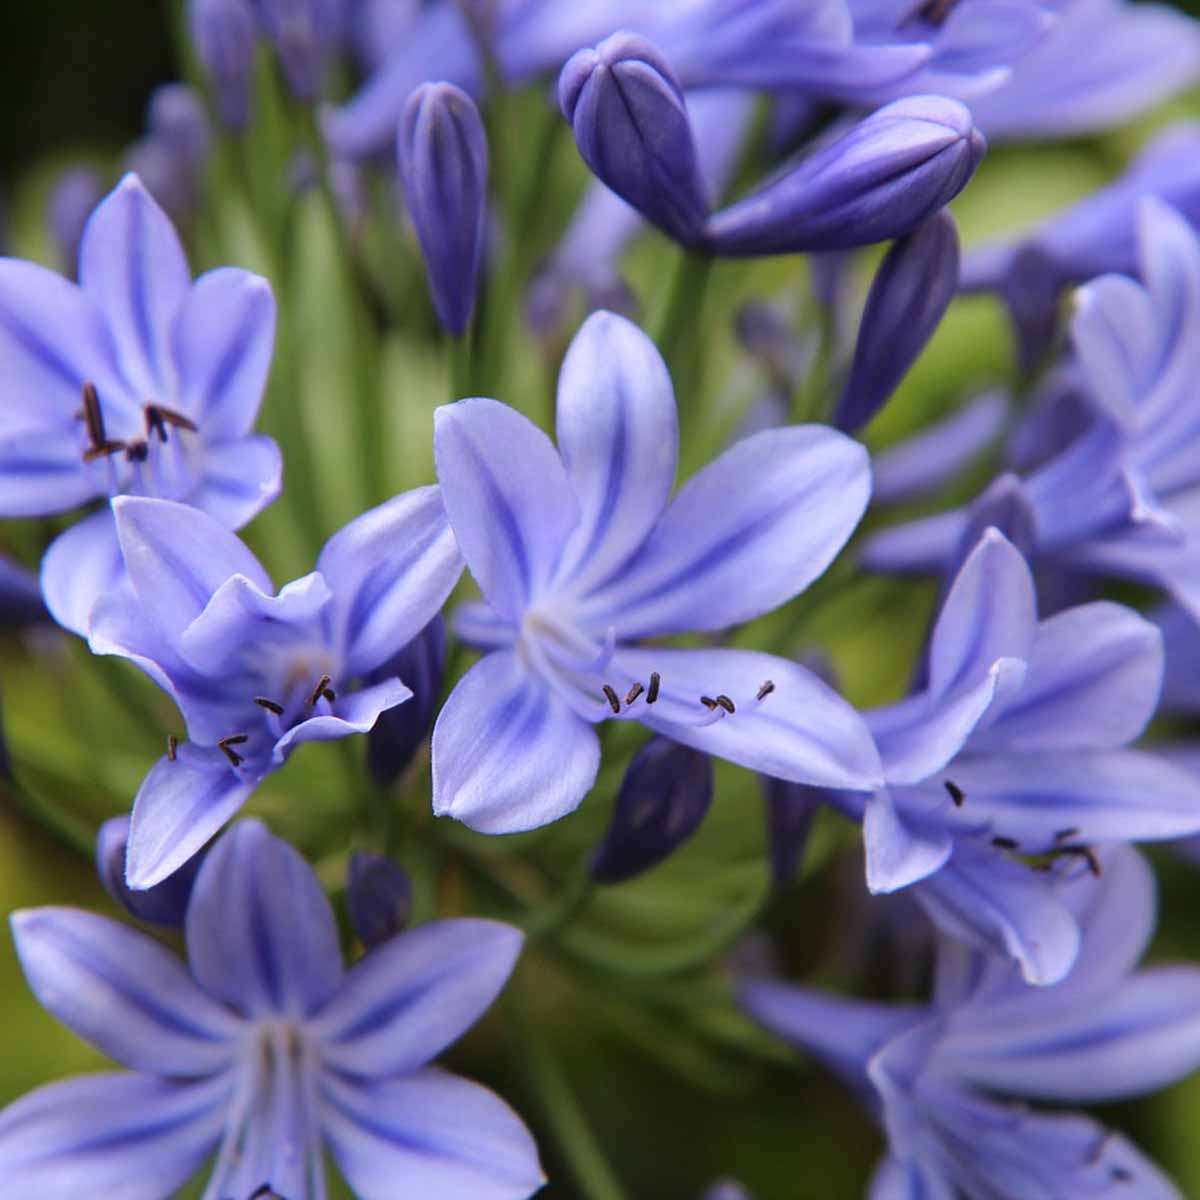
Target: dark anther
{"points": [[767, 688], [158, 418], [652, 691], [320, 690], [93, 418], [1004, 843], [633, 693], [137, 450], [1121, 1175], [264, 1192], [172, 746], [1086, 853], [1065, 834], [226, 746], [725, 702], [934, 12], [102, 450], [956, 793], [329, 694], [708, 703], [614, 701], [269, 705]]}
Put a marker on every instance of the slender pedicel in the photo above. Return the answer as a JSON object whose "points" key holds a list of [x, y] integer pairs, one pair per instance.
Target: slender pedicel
{"points": [[172, 746], [652, 691], [633, 693], [269, 705], [956, 793], [226, 746], [611, 696]]}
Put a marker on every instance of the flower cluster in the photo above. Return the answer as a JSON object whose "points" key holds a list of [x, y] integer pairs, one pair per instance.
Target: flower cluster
{"points": [[613, 641]]}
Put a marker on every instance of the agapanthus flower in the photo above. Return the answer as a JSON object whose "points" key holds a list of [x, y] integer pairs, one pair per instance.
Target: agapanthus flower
{"points": [[264, 1050], [579, 554], [257, 673], [1017, 745], [136, 380], [942, 1078], [1122, 497]]}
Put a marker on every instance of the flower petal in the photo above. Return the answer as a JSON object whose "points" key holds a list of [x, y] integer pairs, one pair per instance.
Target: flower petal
{"points": [[80, 566], [391, 569], [222, 341], [177, 557], [508, 754], [240, 479], [354, 712], [131, 264], [123, 992], [750, 531], [896, 854], [260, 933], [1002, 907], [180, 805], [431, 1135], [619, 438], [42, 472], [116, 1135], [507, 496], [801, 730], [403, 1004], [1095, 672]]}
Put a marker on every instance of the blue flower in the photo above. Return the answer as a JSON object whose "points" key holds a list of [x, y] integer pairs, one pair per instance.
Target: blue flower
{"points": [[933, 1074], [255, 673], [1121, 498], [579, 554], [1017, 744], [266, 1051], [135, 381]]}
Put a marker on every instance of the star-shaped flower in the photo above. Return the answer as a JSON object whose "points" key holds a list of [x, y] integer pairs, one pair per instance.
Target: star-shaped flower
{"points": [[265, 1051], [579, 555]]}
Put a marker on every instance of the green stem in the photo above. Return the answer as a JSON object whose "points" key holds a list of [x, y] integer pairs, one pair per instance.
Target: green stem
{"points": [[571, 901], [678, 330], [68, 830], [579, 1145], [458, 366]]}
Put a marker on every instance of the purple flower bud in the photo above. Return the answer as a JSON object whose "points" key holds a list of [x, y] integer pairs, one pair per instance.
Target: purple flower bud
{"points": [[224, 33], [631, 124], [77, 191], [726, 1189], [911, 291], [399, 732], [664, 796], [791, 808], [303, 32], [1004, 505], [378, 897], [443, 157], [166, 902], [176, 116], [890, 173]]}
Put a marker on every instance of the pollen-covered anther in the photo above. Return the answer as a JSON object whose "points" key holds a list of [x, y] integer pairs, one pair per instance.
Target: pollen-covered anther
{"points": [[172, 746], [652, 690], [709, 703], [158, 418], [1086, 853], [610, 694], [269, 705], [633, 693], [102, 450], [768, 686], [1004, 843], [322, 689], [956, 794], [226, 746], [726, 703]]}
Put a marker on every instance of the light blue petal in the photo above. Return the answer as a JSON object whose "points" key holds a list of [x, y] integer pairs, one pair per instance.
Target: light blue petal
{"points": [[896, 854], [1003, 907], [43, 472], [1115, 336], [404, 1003], [177, 557], [52, 341], [391, 570], [120, 1136], [132, 266], [431, 1135], [123, 992], [260, 933], [990, 613], [508, 499], [801, 730], [353, 712], [240, 479], [508, 755], [749, 532], [920, 547], [1095, 672], [619, 438], [179, 806], [222, 342], [79, 567]]}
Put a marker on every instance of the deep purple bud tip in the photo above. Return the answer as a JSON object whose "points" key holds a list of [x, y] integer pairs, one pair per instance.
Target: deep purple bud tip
{"points": [[378, 897]]}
